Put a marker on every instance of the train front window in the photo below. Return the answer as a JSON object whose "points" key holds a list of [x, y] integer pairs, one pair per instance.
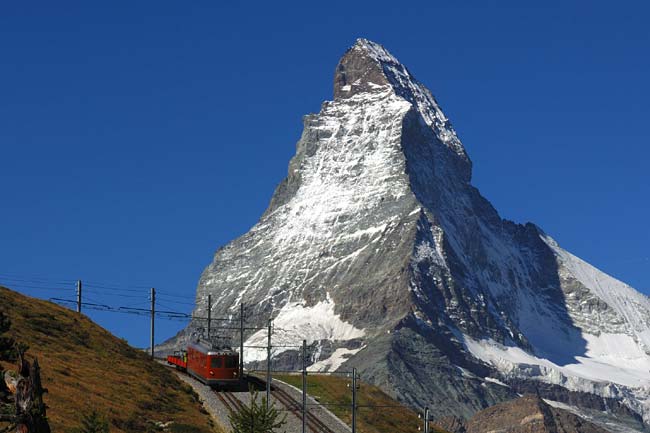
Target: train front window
{"points": [[231, 361], [216, 362]]}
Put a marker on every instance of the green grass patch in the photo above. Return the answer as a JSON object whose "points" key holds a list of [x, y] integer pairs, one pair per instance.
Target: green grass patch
{"points": [[377, 412]]}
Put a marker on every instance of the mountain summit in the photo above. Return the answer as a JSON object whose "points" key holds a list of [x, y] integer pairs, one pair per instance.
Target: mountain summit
{"points": [[368, 66], [379, 252]]}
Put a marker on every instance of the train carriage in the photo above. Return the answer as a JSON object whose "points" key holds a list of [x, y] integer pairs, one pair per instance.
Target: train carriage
{"points": [[178, 359], [212, 366]]}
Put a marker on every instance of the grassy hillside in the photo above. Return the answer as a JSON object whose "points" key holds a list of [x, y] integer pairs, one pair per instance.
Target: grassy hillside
{"points": [[85, 367], [378, 413]]}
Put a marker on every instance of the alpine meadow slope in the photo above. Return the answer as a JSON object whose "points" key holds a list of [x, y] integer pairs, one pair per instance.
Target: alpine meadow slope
{"points": [[85, 369], [377, 249]]}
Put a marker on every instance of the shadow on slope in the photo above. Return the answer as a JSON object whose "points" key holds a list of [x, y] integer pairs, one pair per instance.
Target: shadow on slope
{"points": [[497, 279]]}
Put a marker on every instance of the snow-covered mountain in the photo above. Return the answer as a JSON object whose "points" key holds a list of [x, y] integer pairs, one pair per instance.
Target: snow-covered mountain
{"points": [[377, 249]]}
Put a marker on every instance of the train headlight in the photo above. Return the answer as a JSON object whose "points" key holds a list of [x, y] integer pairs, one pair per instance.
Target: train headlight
{"points": [[211, 373]]}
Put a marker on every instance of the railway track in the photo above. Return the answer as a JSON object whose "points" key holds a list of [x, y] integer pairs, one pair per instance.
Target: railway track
{"points": [[229, 400], [234, 404], [314, 424]]}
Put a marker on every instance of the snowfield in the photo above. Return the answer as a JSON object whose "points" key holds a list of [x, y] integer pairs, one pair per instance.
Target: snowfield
{"points": [[610, 358], [606, 363], [631, 305], [296, 322]]}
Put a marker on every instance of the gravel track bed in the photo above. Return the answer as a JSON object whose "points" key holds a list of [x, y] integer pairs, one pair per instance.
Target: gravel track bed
{"points": [[210, 401], [321, 412], [217, 410]]}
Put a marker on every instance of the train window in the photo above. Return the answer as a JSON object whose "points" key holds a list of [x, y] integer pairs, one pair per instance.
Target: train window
{"points": [[231, 362], [216, 362]]}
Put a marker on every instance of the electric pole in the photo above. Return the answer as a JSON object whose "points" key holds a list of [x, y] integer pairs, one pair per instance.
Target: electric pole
{"points": [[241, 341], [268, 367], [153, 315], [354, 400], [209, 315], [304, 386], [426, 420], [78, 296]]}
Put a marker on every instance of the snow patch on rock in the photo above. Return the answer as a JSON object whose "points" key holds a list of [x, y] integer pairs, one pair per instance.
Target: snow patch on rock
{"points": [[609, 359], [497, 381], [633, 306], [613, 366], [296, 322], [332, 363]]}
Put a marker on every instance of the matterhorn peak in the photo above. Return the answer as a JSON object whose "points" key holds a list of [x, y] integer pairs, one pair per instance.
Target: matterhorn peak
{"points": [[367, 68], [362, 69], [375, 50], [380, 254]]}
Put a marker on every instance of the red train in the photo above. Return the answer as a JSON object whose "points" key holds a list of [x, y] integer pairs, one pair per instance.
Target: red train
{"points": [[212, 366]]}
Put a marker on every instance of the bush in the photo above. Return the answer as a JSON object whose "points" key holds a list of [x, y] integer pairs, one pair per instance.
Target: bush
{"points": [[93, 422], [256, 418], [7, 344]]}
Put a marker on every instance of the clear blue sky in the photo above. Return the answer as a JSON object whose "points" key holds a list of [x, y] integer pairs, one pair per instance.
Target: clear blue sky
{"points": [[138, 137]]}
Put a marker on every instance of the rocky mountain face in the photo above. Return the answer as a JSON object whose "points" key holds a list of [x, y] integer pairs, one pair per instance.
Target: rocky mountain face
{"points": [[528, 414], [379, 252]]}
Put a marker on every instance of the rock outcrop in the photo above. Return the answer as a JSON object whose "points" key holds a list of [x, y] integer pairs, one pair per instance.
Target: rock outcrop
{"points": [[528, 414]]}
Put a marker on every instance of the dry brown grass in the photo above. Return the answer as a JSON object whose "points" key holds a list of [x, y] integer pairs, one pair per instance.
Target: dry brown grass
{"points": [[85, 367], [377, 413]]}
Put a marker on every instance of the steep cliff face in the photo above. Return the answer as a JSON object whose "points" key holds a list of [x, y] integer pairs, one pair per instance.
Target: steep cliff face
{"points": [[379, 252]]}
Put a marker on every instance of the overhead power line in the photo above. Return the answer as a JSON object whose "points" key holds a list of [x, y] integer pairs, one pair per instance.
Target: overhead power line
{"points": [[33, 279], [168, 314], [13, 278]]}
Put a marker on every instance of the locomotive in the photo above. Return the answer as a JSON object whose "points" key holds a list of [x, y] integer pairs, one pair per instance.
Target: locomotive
{"points": [[211, 365]]}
